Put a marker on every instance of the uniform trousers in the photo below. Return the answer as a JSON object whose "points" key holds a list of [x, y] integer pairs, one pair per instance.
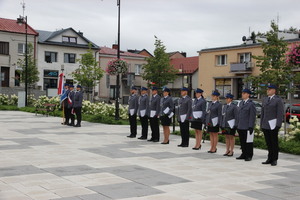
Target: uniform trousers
{"points": [[133, 126], [78, 114], [66, 113], [70, 115], [154, 125], [271, 137], [247, 148], [144, 123], [185, 132]]}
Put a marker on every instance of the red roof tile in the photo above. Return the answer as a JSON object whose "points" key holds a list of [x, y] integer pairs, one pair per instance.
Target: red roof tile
{"points": [[189, 64], [110, 51], [10, 25]]}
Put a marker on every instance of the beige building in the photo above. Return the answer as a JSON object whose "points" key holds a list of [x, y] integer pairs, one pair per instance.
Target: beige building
{"points": [[107, 85], [224, 68]]}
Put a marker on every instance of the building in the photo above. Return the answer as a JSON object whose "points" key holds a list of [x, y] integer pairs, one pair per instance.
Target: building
{"points": [[176, 54], [141, 52], [12, 48], [187, 76], [224, 68], [59, 50], [107, 86]]}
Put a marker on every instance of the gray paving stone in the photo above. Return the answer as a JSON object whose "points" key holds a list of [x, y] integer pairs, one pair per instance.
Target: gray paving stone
{"points": [[259, 196], [12, 147], [277, 192], [32, 141], [125, 190], [20, 170], [69, 198], [281, 183], [72, 170], [94, 197]]}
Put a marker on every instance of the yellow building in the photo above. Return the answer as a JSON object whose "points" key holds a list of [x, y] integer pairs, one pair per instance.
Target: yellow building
{"points": [[224, 68]]}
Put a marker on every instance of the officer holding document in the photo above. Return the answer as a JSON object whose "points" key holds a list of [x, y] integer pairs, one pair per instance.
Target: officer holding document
{"points": [[271, 119], [166, 113], [198, 116], [77, 105], [245, 126], [154, 108], [133, 103], [143, 112], [184, 115], [229, 123]]}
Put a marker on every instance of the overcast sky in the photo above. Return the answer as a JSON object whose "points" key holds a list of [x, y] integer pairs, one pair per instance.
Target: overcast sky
{"points": [[183, 25]]}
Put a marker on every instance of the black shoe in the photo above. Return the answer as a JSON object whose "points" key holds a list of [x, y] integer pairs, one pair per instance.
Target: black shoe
{"points": [[266, 162], [212, 151], [226, 154], [248, 159], [71, 124], [131, 136], [230, 155], [240, 158], [142, 138], [274, 163], [155, 140], [150, 140], [195, 148], [64, 123], [180, 145], [185, 145], [166, 142], [77, 125]]}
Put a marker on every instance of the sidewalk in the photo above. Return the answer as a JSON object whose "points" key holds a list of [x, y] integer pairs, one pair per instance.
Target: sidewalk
{"points": [[41, 159]]}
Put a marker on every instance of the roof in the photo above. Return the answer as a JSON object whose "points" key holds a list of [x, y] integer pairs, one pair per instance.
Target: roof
{"points": [[11, 25], [188, 65], [140, 51], [46, 36], [111, 51]]}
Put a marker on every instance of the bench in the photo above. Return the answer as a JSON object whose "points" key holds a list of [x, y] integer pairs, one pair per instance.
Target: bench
{"points": [[47, 108]]}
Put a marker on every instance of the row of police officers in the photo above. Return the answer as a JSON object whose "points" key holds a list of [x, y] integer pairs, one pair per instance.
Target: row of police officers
{"points": [[214, 117]]}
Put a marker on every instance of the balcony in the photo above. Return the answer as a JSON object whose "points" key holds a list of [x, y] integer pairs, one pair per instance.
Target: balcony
{"points": [[241, 67]]}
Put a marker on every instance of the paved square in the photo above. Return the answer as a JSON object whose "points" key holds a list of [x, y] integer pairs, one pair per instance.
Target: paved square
{"points": [[40, 159]]}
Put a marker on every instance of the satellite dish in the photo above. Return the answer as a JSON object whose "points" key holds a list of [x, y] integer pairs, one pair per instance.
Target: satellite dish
{"points": [[244, 38]]}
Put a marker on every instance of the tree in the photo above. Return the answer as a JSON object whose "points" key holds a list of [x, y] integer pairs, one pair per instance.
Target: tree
{"points": [[89, 73], [32, 70], [158, 70], [272, 64]]}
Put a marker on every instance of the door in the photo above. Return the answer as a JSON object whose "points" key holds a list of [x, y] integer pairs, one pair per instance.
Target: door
{"points": [[5, 76]]}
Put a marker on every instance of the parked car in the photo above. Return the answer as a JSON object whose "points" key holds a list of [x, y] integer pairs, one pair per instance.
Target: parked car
{"points": [[256, 103], [293, 110]]}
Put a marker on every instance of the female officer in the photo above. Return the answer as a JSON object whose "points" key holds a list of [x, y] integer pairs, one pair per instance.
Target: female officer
{"points": [[167, 107], [213, 120], [198, 116]]}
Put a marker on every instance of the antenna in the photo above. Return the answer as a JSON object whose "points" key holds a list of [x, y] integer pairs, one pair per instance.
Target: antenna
{"points": [[23, 7], [249, 31], [277, 18]]}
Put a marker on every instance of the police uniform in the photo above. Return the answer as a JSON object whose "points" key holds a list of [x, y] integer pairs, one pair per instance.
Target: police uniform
{"points": [[214, 115], [65, 104], [70, 106], [184, 115], [272, 115], [167, 107], [198, 106], [77, 105], [154, 111], [143, 111], [133, 104], [246, 122], [229, 115]]}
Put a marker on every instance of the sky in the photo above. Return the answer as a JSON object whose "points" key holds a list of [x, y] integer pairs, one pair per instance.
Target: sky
{"points": [[182, 25]]}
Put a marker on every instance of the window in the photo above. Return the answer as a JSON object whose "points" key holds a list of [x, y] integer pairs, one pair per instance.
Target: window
{"points": [[4, 48], [69, 58], [221, 60], [245, 57], [138, 69], [112, 92], [223, 86], [21, 48], [50, 57], [69, 39]]}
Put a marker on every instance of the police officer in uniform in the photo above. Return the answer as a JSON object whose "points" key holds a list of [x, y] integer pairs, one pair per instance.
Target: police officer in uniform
{"points": [[143, 112], [133, 103], [246, 122], [154, 109], [77, 104], [65, 105], [271, 118], [229, 123], [184, 115], [198, 116], [166, 113], [70, 105]]}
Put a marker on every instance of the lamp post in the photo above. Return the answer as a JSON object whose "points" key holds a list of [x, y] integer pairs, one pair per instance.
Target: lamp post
{"points": [[23, 20], [117, 114]]}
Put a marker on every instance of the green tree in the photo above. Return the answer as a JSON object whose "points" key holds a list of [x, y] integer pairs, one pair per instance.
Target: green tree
{"points": [[32, 70], [89, 73], [158, 69], [272, 64]]}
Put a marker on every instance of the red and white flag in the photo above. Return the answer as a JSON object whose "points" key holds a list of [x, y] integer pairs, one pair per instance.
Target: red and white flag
{"points": [[61, 82]]}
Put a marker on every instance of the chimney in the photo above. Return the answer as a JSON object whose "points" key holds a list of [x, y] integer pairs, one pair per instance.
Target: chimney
{"points": [[115, 46], [80, 33], [183, 53]]}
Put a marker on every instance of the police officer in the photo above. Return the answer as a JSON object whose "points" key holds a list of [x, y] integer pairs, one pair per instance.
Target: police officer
{"points": [[246, 122], [229, 123], [143, 112], [77, 105], [166, 113], [271, 118], [70, 105], [184, 115], [133, 103], [154, 109], [198, 116], [213, 120], [65, 105]]}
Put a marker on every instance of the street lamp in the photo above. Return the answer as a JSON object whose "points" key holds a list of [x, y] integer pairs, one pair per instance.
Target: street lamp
{"points": [[117, 114], [23, 20]]}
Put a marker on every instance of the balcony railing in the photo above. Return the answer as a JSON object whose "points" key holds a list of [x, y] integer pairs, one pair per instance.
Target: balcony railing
{"points": [[241, 67]]}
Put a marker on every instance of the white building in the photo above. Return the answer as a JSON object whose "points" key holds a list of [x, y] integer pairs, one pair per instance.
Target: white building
{"points": [[57, 49]]}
